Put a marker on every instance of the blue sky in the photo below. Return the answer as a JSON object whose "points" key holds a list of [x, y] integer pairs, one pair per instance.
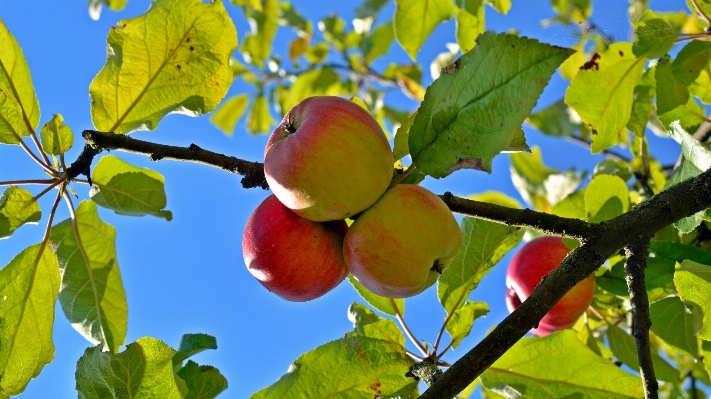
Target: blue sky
{"points": [[187, 275]]}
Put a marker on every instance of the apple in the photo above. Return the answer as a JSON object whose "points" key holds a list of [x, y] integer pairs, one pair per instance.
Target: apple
{"points": [[328, 159], [528, 266], [399, 247], [295, 258]]}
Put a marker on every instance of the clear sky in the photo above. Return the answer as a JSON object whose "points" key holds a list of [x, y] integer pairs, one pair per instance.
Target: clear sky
{"points": [[187, 275]]}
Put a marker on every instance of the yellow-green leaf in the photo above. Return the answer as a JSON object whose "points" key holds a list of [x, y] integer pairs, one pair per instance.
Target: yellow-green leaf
{"points": [[693, 280], [29, 285], [11, 124], [260, 118], [96, 5], [172, 59], [388, 306], [229, 113], [16, 80], [606, 197], [17, 207], [92, 295], [416, 19], [57, 138], [470, 24], [128, 190]]}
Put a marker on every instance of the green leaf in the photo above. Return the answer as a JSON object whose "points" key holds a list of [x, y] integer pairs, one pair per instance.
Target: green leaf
{"points": [[400, 146], [644, 94], [144, 370], [375, 368], [369, 324], [495, 197], [369, 8], [558, 366], [172, 59], [470, 24], [541, 186], [680, 252], [378, 43], [57, 138], [672, 323], [17, 207], [556, 120], [319, 82], [704, 6], [572, 206], [611, 167], [502, 6], [128, 190], [706, 350], [416, 19], [462, 320], [573, 10], [484, 243], [260, 118], [257, 44], [389, 306], [29, 285], [602, 94], [229, 113], [291, 17], [625, 350], [606, 197], [464, 125], [16, 81], [96, 5], [693, 151], [658, 278], [192, 344], [12, 126], [317, 53], [674, 102], [686, 171], [203, 382], [693, 281], [691, 60], [92, 294], [654, 38]]}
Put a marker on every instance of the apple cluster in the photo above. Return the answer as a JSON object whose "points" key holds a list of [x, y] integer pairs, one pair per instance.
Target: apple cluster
{"points": [[329, 160], [528, 266]]}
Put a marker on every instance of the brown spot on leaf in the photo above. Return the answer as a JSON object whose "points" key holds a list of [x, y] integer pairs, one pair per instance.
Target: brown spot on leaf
{"points": [[450, 69], [593, 63], [178, 66], [192, 48], [622, 54]]}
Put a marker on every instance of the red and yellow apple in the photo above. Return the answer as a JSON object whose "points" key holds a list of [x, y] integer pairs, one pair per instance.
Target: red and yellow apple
{"points": [[328, 159], [295, 258], [528, 266], [399, 247]]}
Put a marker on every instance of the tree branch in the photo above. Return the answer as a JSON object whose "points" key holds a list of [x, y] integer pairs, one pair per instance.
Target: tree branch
{"points": [[253, 172], [679, 201], [635, 266]]}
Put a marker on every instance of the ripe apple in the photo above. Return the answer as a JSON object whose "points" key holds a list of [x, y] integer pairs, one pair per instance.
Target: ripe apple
{"points": [[529, 265], [328, 159], [295, 258], [398, 247]]}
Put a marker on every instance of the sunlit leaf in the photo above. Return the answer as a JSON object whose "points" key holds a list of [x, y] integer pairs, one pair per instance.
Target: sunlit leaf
{"points": [[602, 94], [388, 306], [693, 280], [614, 168], [333, 28], [257, 44], [693, 151], [674, 324], [674, 102], [96, 5], [464, 125], [654, 38], [17, 207], [416, 19], [625, 350], [680, 252], [12, 126], [400, 146], [317, 53], [556, 120], [128, 190], [369, 324], [369, 8], [229, 113], [29, 285], [484, 243], [462, 320], [375, 368], [378, 43], [495, 197], [172, 59], [57, 138], [259, 119], [16, 81], [291, 17], [502, 6], [319, 82], [203, 382], [686, 171], [470, 23], [572, 206], [92, 295], [606, 197], [192, 344], [143, 371], [644, 94], [558, 365]]}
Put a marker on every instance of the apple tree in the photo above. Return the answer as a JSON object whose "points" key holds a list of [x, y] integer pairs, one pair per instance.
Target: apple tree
{"points": [[639, 225]]}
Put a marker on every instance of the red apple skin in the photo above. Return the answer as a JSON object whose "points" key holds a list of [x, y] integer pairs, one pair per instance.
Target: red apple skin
{"points": [[328, 159], [400, 246], [529, 265], [297, 259]]}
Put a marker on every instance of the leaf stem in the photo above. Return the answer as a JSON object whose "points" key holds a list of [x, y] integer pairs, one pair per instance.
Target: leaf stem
{"points": [[400, 319], [404, 175], [46, 166], [439, 337], [701, 13], [26, 182]]}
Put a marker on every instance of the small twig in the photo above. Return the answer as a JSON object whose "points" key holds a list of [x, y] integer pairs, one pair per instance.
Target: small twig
{"points": [[402, 177], [635, 266], [26, 182], [45, 166], [399, 318]]}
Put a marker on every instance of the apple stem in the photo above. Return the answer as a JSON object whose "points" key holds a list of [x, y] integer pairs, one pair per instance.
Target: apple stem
{"points": [[404, 175], [401, 320]]}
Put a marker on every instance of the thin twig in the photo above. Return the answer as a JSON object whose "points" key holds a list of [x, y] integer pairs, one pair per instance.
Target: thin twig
{"points": [[399, 318], [635, 265], [26, 182]]}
